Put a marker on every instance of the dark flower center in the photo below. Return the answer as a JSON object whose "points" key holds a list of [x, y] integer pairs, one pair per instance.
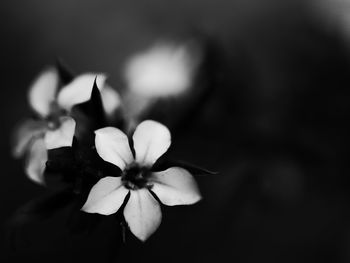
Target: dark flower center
{"points": [[56, 112], [136, 177]]}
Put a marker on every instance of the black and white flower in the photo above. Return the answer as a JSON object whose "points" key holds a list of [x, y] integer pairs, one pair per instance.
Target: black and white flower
{"points": [[142, 212], [54, 127]]}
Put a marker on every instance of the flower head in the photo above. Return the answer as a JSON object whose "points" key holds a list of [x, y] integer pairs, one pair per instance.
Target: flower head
{"points": [[54, 127], [166, 70], [174, 186], [161, 71]]}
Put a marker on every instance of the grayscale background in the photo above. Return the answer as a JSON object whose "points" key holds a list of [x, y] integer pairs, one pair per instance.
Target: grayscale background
{"points": [[274, 127]]}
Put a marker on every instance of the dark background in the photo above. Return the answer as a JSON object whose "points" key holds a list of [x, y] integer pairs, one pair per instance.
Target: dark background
{"points": [[275, 127]]}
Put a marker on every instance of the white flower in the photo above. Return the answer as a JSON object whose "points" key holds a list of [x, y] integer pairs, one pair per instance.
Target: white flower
{"points": [[165, 70], [55, 128], [174, 186]]}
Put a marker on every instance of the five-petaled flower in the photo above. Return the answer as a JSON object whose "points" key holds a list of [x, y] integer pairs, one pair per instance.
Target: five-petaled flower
{"points": [[54, 127], [142, 212]]}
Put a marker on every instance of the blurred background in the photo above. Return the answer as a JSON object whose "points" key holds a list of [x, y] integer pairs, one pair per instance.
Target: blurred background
{"points": [[275, 125]]}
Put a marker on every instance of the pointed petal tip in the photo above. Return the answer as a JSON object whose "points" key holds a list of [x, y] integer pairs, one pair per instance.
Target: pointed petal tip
{"points": [[143, 238], [79, 89], [142, 214], [100, 79]]}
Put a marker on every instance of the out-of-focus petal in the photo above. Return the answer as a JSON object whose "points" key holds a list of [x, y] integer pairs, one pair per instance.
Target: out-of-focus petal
{"points": [[79, 90], [43, 91], [175, 186], [142, 213], [106, 196], [163, 70], [151, 140], [62, 136], [113, 146], [110, 99], [36, 161], [25, 133]]}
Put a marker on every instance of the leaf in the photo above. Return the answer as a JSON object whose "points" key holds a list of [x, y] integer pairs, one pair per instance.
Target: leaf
{"points": [[163, 164], [66, 75], [60, 159], [89, 116]]}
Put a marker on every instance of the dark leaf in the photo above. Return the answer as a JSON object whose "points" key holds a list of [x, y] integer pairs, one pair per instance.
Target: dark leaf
{"points": [[61, 168], [162, 165], [60, 159], [89, 116], [94, 107], [66, 75]]}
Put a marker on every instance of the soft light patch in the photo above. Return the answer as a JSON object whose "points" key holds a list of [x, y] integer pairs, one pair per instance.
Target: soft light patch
{"points": [[334, 13], [163, 70]]}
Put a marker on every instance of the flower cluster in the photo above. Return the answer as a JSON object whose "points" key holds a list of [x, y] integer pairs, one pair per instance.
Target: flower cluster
{"points": [[52, 101], [81, 131]]}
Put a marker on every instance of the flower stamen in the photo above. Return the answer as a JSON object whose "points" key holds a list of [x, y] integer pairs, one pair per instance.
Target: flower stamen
{"points": [[135, 177]]}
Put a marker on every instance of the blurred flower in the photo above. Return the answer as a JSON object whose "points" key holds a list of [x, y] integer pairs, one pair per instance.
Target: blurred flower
{"points": [[174, 186], [164, 70], [54, 128]]}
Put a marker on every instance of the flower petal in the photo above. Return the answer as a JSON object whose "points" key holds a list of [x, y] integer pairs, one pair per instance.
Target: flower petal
{"points": [[142, 213], [175, 186], [36, 162], [110, 99], [62, 136], [106, 196], [79, 90], [43, 91], [151, 140], [25, 133], [113, 146]]}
